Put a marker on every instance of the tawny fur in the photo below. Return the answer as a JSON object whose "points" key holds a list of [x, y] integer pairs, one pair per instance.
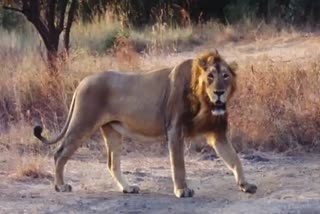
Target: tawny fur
{"points": [[170, 103]]}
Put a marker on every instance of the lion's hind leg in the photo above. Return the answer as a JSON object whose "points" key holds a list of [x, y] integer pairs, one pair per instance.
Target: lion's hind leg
{"points": [[113, 144], [226, 151], [68, 147], [75, 135]]}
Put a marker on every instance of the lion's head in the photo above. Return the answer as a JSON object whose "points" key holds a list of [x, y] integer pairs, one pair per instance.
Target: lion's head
{"points": [[214, 81]]}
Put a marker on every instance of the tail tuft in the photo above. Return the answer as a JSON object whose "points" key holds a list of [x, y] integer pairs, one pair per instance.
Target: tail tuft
{"points": [[37, 130]]}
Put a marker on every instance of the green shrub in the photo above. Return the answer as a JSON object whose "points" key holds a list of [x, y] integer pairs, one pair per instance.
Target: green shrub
{"points": [[10, 20], [111, 37], [241, 9]]}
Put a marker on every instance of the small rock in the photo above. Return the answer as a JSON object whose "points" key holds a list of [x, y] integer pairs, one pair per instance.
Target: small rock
{"points": [[139, 179], [210, 157], [35, 195], [141, 174], [255, 158]]}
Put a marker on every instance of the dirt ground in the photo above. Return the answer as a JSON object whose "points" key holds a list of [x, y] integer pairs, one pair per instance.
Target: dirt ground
{"points": [[286, 183], [291, 49]]}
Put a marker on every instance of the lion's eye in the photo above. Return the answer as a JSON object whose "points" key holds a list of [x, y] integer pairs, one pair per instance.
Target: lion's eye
{"points": [[225, 76], [210, 76]]}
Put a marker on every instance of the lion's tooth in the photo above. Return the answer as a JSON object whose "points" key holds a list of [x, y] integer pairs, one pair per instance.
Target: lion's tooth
{"points": [[218, 112]]}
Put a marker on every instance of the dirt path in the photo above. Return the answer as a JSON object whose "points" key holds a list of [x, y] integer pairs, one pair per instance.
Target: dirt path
{"points": [[294, 48], [286, 184]]}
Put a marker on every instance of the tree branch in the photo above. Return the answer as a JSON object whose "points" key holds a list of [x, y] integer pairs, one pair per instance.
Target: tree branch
{"points": [[25, 5], [51, 14], [13, 9], [63, 7], [34, 6], [70, 20]]}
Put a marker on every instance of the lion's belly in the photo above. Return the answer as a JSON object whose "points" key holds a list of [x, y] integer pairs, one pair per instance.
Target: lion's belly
{"points": [[139, 134]]}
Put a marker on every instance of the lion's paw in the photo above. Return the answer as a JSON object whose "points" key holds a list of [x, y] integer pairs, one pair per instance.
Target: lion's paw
{"points": [[63, 188], [248, 188], [131, 189], [184, 193]]}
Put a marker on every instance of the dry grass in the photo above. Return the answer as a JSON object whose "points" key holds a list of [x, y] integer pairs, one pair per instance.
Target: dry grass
{"points": [[102, 34], [30, 166], [25, 156], [276, 107]]}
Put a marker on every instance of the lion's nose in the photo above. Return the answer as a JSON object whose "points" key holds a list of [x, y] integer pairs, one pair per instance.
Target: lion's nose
{"points": [[218, 93]]}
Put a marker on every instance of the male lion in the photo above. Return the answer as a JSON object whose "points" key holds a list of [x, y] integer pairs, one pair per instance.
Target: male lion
{"points": [[172, 103]]}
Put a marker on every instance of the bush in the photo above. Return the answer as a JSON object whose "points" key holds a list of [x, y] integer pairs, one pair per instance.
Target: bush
{"points": [[112, 36], [241, 9], [10, 20]]}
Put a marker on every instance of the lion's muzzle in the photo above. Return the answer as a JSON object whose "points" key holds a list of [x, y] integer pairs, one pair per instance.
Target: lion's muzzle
{"points": [[218, 106]]}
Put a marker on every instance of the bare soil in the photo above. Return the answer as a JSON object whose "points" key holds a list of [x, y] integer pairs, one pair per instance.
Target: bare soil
{"points": [[295, 48], [286, 184]]}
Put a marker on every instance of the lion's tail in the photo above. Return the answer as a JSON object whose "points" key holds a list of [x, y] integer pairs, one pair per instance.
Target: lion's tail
{"points": [[37, 130]]}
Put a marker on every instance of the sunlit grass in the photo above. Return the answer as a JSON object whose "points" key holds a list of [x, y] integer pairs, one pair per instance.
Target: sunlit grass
{"points": [[276, 105]]}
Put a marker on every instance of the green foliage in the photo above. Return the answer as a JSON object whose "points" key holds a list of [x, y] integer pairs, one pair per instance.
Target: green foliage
{"points": [[89, 8], [241, 9], [149, 12], [10, 20], [112, 36], [300, 11]]}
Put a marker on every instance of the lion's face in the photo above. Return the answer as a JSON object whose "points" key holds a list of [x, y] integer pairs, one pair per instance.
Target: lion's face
{"points": [[218, 79]]}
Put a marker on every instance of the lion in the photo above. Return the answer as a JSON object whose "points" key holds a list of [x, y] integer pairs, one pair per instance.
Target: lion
{"points": [[171, 104]]}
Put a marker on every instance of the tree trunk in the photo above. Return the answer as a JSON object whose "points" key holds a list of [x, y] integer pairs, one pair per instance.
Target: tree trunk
{"points": [[50, 38], [71, 14], [48, 17], [52, 60], [53, 52]]}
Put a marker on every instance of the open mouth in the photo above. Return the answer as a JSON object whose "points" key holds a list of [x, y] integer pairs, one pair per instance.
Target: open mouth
{"points": [[218, 108]]}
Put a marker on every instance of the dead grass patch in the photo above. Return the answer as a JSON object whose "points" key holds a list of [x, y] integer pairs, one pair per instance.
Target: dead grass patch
{"points": [[277, 105], [30, 166]]}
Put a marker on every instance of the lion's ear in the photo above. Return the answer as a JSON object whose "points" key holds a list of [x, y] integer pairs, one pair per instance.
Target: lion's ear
{"points": [[210, 60], [216, 52], [233, 66], [202, 63]]}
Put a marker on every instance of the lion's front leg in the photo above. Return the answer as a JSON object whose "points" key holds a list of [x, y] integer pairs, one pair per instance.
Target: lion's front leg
{"points": [[226, 151], [176, 149], [113, 146]]}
